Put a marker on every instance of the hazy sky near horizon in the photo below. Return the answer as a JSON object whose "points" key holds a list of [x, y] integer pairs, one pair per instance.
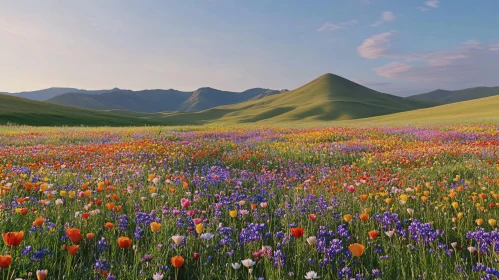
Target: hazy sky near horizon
{"points": [[398, 47]]}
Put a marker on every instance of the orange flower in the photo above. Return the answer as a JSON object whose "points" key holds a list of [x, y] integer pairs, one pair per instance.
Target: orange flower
{"points": [[363, 197], [41, 274], [90, 235], [73, 249], [38, 222], [155, 227], [373, 234], [124, 242], [364, 217], [177, 261], [357, 249], [109, 225], [109, 206], [13, 238], [312, 217], [5, 261], [74, 235], [297, 232], [347, 218]]}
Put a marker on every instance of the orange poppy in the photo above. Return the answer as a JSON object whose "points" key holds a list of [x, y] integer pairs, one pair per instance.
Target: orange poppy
{"points": [[124, 242], [297, 232], [41, 274], [373, 234], [90, 235], [73, 249], [364, 217], [109, 225], [363, 197], [13, 238], [155, 227], [357, 249], [38, 222], [5, 261], [74, 235], [177, 261], [312, 217]]}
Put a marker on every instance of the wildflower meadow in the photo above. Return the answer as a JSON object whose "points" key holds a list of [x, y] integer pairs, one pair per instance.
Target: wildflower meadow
{"points": [[374, 202]]}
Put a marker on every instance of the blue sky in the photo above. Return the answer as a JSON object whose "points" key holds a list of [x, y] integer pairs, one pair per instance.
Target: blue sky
{"points": [[395, 46]]}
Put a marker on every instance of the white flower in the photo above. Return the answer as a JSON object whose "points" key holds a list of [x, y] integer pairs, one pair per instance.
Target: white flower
{"points": [[312, 240], [178, 239], [312, 275], [250, 270], [472, 249], [236, 266], [390, 233], [59, 201], [154, 195], [155, 181], [206, 236], [454, 244], [410, 211], [248, 262], [157, 276]]}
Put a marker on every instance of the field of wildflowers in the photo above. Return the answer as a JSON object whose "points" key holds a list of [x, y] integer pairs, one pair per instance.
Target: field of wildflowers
{"points": [[250, 203]]}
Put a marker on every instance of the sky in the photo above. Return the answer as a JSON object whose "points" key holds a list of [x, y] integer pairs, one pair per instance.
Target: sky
{"points": [[400, 47]]}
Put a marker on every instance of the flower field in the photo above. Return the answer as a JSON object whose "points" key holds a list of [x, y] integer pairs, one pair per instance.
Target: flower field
{"points": [[250, 203]]}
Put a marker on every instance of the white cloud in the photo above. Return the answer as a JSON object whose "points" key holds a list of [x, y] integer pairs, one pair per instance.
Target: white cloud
{"points": [[385, 16], [331, 27], [433, 4], [375, 46]]}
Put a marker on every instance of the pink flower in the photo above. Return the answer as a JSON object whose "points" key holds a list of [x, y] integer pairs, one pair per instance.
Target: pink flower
{"points": [[191, 212], [218, 205], [185, 202], [197, 221], [351, 189]]}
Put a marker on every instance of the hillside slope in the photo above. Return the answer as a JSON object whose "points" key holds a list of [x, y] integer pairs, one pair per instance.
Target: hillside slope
{"points": [[471, 110], [326, 98], [159, 100], [18, 110], [447, 96]]}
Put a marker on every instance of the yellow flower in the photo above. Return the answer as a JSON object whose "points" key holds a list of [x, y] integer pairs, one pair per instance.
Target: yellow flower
{"points": [[199, 228], [455, 204], [63, 193], [347, 218], [233, 213], [492, 222], [72, 194]]}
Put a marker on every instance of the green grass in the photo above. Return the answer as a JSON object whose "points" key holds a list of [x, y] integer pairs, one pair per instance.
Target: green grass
{"points": [[447, 96]]}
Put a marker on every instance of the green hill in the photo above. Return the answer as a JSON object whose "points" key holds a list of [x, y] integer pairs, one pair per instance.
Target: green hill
{"points": [[327, 98], [159, 100], [447, 96], [18, 110], [471, 110]]}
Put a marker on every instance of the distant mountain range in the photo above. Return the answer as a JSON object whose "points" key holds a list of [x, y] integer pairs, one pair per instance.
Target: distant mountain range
{"points": [[159, 100], [327, 98], [451, 96], [46, 94]]}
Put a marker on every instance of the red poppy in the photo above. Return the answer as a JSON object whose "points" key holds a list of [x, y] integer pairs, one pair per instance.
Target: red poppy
{"points": [[297, 232], [13, 238], [74, 235]]}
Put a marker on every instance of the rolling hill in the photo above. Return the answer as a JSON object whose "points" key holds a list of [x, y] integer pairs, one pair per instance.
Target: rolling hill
{"points": [[326, 98], [472, 110], [18, 110], [159, 100], [447, 96], [46, 94]]}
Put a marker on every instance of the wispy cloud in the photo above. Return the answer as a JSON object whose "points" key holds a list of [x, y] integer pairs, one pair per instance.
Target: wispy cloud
{"points": [[375, 46], [433, 4], [385, 16], [468, 64], [331, 26]]}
